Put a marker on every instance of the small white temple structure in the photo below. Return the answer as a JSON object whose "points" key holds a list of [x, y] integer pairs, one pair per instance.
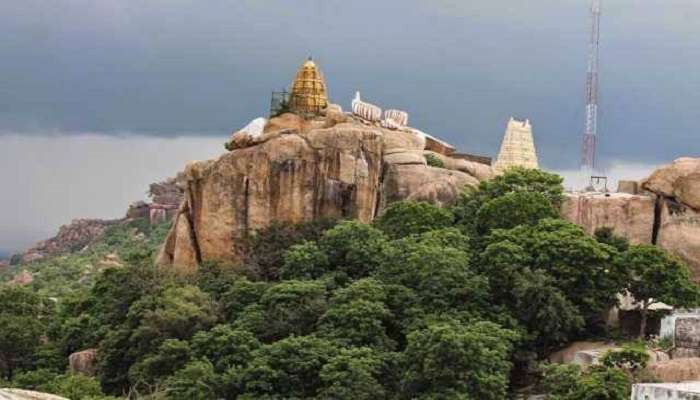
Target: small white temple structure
{"points": [[517, 148]]}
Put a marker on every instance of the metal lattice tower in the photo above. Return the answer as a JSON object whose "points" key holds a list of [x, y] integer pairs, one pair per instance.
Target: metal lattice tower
{"points": [[590, 135]]}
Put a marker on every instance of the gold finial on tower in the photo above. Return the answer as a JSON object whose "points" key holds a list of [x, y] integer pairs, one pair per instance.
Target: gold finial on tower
{"points": [[308, 92]]}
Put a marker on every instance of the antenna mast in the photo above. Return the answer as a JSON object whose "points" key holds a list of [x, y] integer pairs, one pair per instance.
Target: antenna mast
{"points": [[590, 136]]}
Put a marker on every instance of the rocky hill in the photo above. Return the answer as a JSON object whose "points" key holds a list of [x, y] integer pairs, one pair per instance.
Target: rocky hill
{"points": [[166, 197], [296, 170]]}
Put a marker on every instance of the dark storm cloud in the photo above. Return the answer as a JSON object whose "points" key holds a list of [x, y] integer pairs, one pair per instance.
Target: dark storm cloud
{"points": [[185, 67], [461, 67]]}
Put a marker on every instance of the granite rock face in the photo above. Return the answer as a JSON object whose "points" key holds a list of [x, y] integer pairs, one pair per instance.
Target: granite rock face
{"points": [[631, 216], [299, 171], [665, 212], [679, 233]]}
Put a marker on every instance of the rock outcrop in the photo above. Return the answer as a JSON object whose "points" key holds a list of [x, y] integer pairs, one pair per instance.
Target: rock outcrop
{"points": [[72, 237], [83, 362], [631, 216], [20, 394], [299, 170], [666, 212]]}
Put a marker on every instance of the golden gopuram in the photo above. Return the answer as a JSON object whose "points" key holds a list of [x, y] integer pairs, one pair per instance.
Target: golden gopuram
{"points": [[308, 94]]}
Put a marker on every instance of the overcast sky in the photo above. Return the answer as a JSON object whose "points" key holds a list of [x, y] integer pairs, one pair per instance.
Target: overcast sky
{"points": [[132, 69]]}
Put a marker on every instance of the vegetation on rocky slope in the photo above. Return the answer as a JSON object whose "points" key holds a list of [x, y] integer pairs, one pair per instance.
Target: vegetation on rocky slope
{"points": [[431, 303]]}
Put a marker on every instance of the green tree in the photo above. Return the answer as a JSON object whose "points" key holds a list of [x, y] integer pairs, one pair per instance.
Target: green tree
{"points": [[172, 355], [292, 308], [225, 346], [407, 217], [466, 361], [74, 387], [177, 313], [305, 261], [353, 374], [549, 317], [288, 368], [196, 381], [354, 248], [602, 384], [23, 320], [580, 267], [243, 293], [358, 319], [440, 276], [513, 180], [514, 209], [657, 277], [267, 247]]}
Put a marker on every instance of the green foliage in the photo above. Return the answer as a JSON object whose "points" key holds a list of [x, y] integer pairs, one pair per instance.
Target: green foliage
{"points": [[514, 180], [470, 361], [354, 374], [292, 308], [23, 318], [607, 235], [630, 358], [305, 261], [225, 346], [569, 382], [72, 386], [658, 276], [406, 218], [602, 384], [425, 303], [560, 380], [581, 268], [354, 248], [514, 209], [267, 247], [170, 356], [196, 381], [547, 314], [288, 368], [434, 161], [359, 317]]}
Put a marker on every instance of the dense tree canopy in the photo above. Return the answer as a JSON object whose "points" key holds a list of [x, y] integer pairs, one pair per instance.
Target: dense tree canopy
{"points": [[426, 302]]}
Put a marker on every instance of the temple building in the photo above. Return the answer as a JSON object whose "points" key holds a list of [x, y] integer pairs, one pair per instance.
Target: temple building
{"points": [[517, 148], [308, 94]]}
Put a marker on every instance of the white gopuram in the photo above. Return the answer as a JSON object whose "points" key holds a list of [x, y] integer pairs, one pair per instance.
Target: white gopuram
{"points": [[517, 148]]}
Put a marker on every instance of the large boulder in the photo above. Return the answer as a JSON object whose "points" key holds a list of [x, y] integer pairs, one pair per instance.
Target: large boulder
{"points": [[631, 216], [83, 362], [299, 172], [420, 183], [679, 180], [20, 394], [679, 233]]}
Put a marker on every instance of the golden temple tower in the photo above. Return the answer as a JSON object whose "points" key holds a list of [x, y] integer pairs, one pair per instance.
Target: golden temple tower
{"points": [[308, 92]]}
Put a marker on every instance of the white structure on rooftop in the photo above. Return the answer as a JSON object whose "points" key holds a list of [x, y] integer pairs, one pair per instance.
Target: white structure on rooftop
{"points": [[517, 148]]}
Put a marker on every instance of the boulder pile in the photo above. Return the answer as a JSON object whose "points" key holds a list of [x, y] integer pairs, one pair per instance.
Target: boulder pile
{"points": [[336, 166]]}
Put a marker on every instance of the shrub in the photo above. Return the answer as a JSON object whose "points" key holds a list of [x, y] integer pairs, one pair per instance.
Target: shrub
{"points": [[434, 161]]}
